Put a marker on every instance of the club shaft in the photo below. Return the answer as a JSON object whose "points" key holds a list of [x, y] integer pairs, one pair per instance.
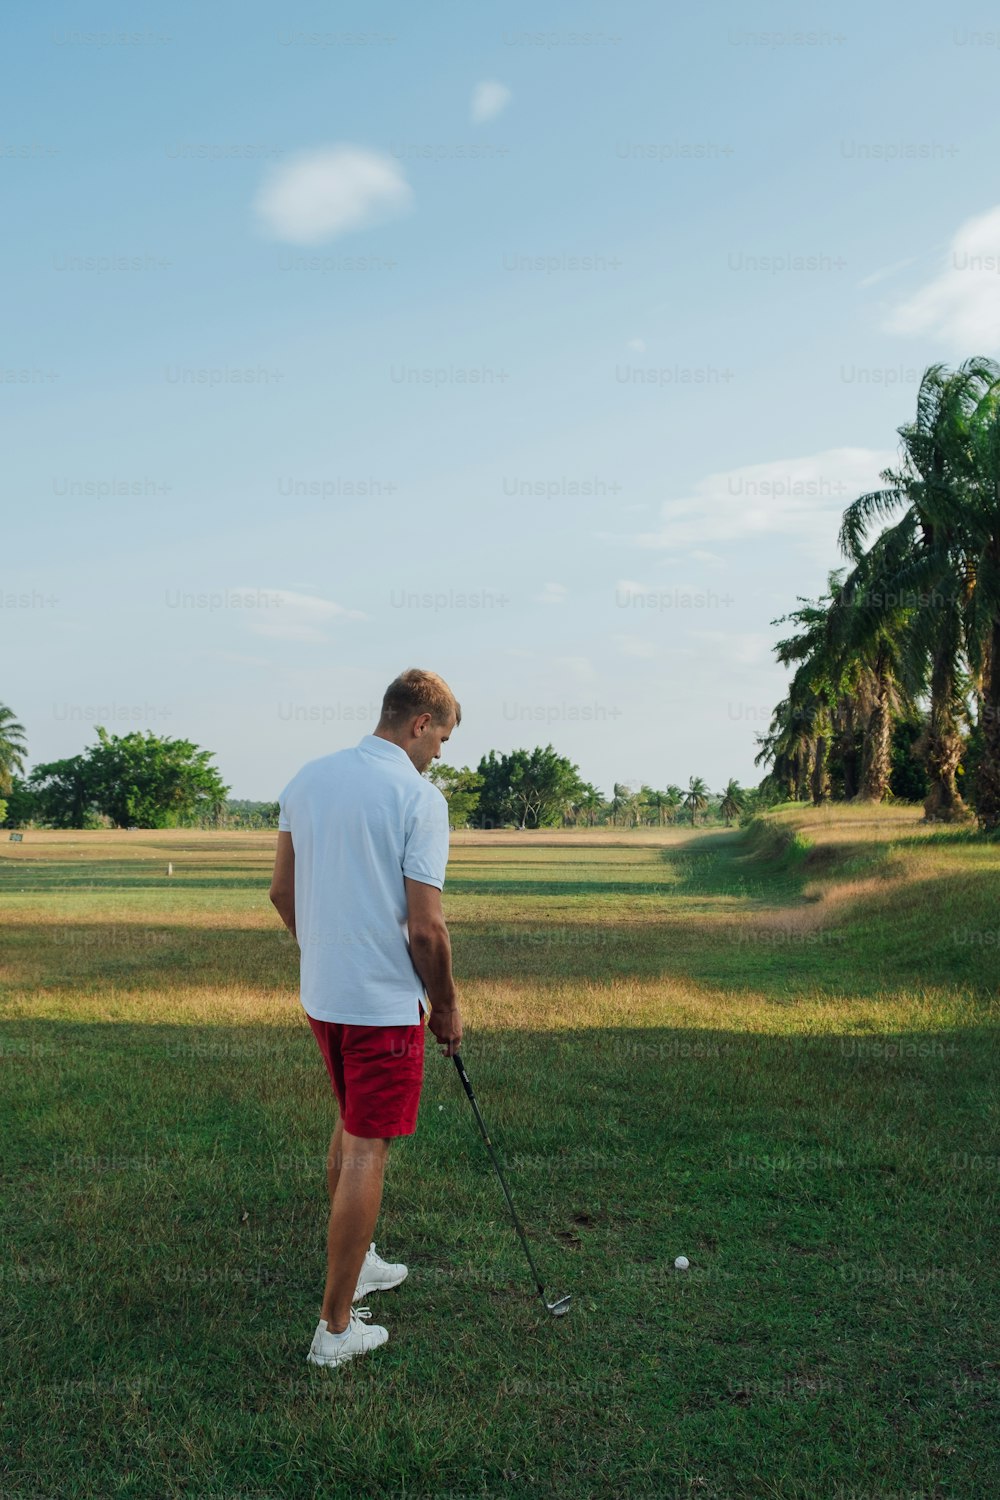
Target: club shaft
{"points": [[493, 1157]]}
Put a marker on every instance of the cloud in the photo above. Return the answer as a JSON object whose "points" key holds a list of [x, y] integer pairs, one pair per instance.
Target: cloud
{"points": [[639, 345], [553, 593], [317, 195], [801, 499], [285, 615], [884, 271], [488, 100], [962, 303]]}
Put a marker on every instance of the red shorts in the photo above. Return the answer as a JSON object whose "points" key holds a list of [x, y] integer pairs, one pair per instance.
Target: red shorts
{"points": [[376, 1072]]}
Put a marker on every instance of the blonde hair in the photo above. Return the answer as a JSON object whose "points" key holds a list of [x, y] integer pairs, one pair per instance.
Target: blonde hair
{"points": [[416, 692]]}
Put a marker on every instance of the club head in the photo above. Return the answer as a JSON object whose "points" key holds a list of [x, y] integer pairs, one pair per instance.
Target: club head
{"points": [[560, 1306]]}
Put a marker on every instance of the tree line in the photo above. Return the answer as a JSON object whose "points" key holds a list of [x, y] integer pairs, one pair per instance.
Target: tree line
{"points": [[141, 780], [542, 789]]}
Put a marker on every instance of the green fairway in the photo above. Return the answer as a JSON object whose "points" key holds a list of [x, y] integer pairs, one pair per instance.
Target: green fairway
{"points": [[774, 1053]]}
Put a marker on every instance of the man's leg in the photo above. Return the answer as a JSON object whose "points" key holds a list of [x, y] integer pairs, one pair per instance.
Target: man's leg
{"points": [[333, 1159], [355, 1174], [333, 1165]]}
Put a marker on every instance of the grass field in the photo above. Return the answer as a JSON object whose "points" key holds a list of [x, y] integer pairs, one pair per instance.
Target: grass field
{"points": [[772, 1052]]}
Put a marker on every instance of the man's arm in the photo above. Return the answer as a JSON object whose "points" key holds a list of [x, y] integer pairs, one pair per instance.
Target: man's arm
{"points": [[282, 890], [430, 950]]}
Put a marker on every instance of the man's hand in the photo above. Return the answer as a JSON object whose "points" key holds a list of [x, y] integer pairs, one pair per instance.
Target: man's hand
{"points": [[445, 1023]]}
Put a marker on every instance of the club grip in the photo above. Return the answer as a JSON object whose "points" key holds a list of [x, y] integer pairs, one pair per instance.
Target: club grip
{"points": [[457, 1060]]}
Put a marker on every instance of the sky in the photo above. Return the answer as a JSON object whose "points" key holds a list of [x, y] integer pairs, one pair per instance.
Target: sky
{"points": [[538, 345]]}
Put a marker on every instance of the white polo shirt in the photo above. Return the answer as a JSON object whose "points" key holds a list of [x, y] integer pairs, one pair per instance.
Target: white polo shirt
{"points": [[361, 819]]}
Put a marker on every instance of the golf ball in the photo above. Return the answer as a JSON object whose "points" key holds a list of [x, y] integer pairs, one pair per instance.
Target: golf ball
{"points": [[681, 1263], [440, 1106]]}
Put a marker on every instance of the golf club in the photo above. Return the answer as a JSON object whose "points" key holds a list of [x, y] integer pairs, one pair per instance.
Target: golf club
{"points": [[561, 1304]]}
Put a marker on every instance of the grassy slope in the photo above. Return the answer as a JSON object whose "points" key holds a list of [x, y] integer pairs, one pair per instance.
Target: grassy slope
{"points": [[775, 1055]]}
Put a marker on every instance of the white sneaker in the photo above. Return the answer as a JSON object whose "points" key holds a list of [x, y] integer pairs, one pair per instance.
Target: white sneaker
{"points": [[331, 1351], [377, 1275]]}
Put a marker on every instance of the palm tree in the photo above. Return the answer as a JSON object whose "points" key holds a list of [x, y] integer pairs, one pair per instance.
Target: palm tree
{"points": [[673, 799], [852, 668], [592, 804], [696, 797], [787, 748], [653, 801], [732, 801], [652, 804], [569, 809], [622, 802], [933, 482], [819, 682], [982, 606], [847, 719], [873, 628], [13, 747]]}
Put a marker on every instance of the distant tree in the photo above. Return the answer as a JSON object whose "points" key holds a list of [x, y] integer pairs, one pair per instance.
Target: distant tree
{"points": [[673, 800], [539, 785], [582, 804], [527, 788], [461, 788], [592, 804], [152, 782], [662, 806], [648, 804], [622, 804], [495, 808], [731, 802], [22, 805], [652, 802], [570, 810], [242, 813], [13, 747], [696, 797], [65, 792], [135, 779]]}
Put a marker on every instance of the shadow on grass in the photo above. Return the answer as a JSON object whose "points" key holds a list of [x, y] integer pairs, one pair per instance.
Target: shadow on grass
{"points": [[126, 876], [459, 885], [942, 931], [150, 1098]]}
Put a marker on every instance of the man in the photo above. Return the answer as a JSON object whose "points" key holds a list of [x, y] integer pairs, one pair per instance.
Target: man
{"points": [[358, 875]]}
